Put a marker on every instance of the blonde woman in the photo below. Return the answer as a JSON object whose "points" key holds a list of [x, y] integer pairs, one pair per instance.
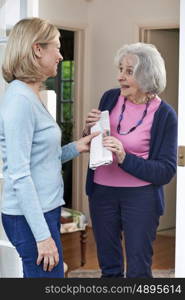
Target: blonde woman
{"points": [[32, 155]]}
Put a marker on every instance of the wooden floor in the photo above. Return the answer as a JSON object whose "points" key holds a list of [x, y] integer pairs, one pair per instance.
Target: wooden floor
{"points": [[164, 251]]}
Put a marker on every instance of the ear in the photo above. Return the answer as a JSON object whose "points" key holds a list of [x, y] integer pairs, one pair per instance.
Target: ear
{"points": [[37, 50]]}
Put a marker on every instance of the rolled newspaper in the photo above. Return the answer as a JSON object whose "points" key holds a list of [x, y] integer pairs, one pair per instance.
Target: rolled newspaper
{"points": [[99, 155]]}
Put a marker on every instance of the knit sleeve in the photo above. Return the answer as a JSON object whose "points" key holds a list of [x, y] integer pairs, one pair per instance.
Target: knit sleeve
{"points": [[69, 152]]}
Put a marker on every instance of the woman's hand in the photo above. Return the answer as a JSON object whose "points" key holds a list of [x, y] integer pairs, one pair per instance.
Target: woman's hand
{"points": [[92, 117], [115, 146], [48, 253], [83, 144]]}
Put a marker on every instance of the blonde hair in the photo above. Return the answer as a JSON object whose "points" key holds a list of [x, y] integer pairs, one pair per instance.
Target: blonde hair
{"points": [[20, 60]]}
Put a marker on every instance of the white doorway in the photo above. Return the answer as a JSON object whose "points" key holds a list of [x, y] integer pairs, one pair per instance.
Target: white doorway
{"points": [[167, 42]]}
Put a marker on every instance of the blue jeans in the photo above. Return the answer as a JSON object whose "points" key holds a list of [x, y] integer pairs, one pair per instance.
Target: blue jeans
{"points": [[133, 211], [21, 236]]}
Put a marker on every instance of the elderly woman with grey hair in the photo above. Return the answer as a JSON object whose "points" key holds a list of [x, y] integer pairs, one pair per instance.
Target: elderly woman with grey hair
{"points": [[126, 197]]}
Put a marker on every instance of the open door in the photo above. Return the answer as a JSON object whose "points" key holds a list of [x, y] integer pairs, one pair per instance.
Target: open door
{"points": [[180, 207]]}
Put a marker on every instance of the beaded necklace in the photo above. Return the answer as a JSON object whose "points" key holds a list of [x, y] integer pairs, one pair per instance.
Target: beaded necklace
{"points": [[121, 117]]}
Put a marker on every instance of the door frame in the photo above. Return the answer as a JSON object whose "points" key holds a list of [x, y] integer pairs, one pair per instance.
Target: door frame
{"points": [[81, 94], [144, 30]]}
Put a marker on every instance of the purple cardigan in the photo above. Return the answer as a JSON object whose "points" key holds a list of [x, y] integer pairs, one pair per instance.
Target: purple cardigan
{"points": [[160, 166]]}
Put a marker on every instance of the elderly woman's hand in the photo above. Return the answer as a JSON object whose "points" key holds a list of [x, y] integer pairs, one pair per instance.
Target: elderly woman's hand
{"points": [[92, 117], [114, 145]]}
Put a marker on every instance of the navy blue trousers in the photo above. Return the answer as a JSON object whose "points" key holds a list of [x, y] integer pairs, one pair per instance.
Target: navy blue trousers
{"points": [[21, 236], [129, 213]]}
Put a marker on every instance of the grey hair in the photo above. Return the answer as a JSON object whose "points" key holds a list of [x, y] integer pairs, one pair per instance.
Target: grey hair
{"points": [[149, 72]]}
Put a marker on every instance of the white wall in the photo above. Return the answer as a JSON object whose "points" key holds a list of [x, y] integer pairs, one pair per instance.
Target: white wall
{"points": [[69, 12], [117, 24]]}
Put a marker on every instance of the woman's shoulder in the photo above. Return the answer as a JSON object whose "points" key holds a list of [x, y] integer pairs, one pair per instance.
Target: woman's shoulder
{"points": [[16, 101], [17, 87], [164, 116], [109, 97], [112, 92], [166, 108], [18, 93]]}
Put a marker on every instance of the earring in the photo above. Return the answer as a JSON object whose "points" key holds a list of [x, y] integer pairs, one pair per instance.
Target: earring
{"points": [[150, 97]]}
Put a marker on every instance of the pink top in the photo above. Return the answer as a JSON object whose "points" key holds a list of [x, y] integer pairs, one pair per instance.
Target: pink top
{"points": [[136, 142]]}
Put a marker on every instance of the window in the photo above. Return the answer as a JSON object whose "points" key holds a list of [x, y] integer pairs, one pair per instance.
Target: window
{"points": [[10, 13]]}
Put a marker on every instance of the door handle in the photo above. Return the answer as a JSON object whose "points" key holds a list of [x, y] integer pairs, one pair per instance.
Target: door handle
{"points": [[181, 156]]}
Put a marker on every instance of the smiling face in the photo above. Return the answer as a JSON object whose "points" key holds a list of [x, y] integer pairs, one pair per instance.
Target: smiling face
{"points": [[128, 84], [49, 57]]}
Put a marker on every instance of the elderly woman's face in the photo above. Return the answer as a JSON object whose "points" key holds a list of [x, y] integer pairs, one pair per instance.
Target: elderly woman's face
{"points": [[129, 86]]}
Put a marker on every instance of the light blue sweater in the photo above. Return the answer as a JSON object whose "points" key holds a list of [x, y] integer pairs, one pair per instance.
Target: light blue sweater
{"points": [[32, 155]]}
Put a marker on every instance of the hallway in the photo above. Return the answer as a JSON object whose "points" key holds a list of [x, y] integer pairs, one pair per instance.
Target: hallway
{"points": [[164, 251]]}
